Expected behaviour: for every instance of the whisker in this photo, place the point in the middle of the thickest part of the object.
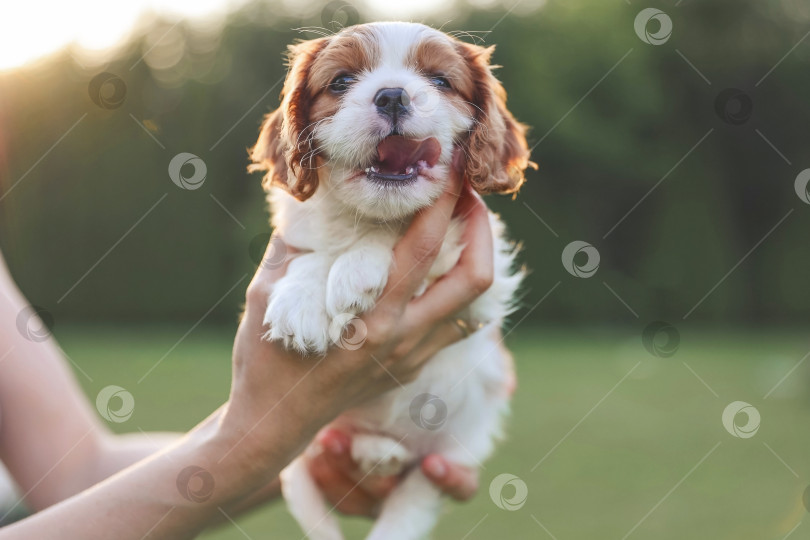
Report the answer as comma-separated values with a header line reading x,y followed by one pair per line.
x,y
320,30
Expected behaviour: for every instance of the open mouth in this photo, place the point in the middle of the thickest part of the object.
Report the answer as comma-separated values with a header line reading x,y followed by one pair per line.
x,y
400,160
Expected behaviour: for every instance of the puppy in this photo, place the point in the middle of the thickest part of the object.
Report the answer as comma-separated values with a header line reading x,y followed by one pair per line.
x,y
363,139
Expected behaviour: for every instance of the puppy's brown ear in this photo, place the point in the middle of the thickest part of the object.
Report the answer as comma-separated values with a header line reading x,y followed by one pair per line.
x,y
285,147
496,150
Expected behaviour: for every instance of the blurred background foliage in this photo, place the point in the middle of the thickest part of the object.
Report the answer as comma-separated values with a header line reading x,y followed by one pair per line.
x,y
634,159
611,117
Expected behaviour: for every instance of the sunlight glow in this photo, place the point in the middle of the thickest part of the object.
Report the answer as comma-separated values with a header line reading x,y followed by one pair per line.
x,y
32,29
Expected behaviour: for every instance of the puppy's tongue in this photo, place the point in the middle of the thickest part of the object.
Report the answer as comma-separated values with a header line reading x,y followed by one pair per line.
x,y
396,153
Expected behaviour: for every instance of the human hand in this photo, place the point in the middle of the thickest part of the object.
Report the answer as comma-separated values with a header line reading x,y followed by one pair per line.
x,y
354,493
273,386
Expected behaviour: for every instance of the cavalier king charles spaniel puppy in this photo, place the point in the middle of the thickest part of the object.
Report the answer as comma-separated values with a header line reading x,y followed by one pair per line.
x,y
364,138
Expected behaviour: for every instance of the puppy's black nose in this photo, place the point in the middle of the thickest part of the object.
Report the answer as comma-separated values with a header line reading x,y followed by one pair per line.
x,y
392,102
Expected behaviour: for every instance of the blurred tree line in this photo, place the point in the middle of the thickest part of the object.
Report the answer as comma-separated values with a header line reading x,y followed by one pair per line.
x,y
94,229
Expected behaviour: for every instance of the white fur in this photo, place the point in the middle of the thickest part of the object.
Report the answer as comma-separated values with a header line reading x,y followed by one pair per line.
x,y
349,228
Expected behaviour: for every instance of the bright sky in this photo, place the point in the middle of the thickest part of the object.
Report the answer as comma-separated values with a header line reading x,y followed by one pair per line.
x,y
30,29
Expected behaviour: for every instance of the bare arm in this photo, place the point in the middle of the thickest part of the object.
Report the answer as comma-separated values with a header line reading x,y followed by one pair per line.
x,y
242,447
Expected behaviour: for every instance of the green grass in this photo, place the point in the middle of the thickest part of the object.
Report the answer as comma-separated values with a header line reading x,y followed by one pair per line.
x,y
608,451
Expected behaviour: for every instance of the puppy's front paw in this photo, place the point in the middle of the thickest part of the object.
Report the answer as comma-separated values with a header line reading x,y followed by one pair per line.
x,y
356,280
299,323
379,455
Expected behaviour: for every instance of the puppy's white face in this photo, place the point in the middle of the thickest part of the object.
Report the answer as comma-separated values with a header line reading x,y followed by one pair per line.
x,y
374,113
390,141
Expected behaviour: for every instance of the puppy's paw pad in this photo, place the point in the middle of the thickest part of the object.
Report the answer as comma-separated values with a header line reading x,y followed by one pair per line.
x,y
380,455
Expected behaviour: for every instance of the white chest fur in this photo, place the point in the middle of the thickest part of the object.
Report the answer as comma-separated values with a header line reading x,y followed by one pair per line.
x,y
455,406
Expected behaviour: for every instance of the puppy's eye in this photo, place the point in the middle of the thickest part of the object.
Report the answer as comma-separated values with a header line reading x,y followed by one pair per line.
x,y
439,81
341,83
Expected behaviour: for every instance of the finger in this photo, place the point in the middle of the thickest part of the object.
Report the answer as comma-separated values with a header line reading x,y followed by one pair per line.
x,y
272,267
471,276
417,249
359,503
336,450
457,481
336,454
341,491
446,333
378,487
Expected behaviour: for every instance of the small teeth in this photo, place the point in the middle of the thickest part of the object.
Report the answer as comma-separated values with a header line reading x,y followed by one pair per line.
x,y
409,170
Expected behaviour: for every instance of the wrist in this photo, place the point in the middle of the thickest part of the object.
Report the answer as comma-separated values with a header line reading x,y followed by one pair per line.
x,y
254,448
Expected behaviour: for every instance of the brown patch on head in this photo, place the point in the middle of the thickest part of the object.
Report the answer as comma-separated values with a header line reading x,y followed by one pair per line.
x,y
496,150
285,147
495,147
438,55
354,50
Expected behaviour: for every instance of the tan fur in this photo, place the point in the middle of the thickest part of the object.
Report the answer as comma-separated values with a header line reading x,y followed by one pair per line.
x,y
284,148
496,150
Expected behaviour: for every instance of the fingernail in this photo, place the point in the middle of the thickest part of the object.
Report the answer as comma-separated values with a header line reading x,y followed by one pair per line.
x,y
335,446
436,468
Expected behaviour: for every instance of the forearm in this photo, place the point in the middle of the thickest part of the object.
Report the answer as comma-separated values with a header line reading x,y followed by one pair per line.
x,y
121,451
118,452
154,498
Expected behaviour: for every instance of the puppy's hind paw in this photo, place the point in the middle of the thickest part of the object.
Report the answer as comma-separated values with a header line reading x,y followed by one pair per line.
x,y
380,455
